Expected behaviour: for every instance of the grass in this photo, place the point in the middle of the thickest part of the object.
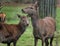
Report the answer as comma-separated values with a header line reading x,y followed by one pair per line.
x,y
58,19
27,38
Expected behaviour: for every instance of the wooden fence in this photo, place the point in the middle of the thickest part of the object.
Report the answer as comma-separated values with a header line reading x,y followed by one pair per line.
x,y
47,8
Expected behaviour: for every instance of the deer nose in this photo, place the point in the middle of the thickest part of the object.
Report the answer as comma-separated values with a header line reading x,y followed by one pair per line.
x,y
27,24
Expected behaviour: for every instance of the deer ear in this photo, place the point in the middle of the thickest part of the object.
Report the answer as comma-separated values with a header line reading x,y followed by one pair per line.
x,y
36,4
19,16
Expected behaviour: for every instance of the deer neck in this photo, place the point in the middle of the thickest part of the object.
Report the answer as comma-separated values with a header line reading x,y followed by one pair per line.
x,y
22,28
34,19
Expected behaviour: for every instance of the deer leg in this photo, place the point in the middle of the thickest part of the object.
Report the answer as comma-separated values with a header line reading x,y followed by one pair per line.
x,y
35,41
51,40
43,41
46,42
14,43
8,44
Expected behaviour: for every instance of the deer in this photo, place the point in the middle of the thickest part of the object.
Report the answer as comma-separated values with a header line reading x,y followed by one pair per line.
x,y
43,28
10,33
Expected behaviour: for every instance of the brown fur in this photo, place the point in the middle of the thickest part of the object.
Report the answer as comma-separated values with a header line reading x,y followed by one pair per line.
x,y
2,17
42,28
12,32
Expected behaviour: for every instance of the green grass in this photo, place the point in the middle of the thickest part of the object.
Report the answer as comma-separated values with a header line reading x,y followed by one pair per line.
x,y
58,19
27,38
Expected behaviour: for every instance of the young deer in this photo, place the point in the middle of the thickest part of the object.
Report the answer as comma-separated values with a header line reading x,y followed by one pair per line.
x,y
42,28
11,32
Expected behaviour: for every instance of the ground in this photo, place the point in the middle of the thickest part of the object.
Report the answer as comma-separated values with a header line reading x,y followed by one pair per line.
x,y
27,38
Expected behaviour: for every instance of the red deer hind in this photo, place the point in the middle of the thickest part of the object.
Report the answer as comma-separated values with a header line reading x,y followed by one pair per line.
x,y
11,32
42,28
